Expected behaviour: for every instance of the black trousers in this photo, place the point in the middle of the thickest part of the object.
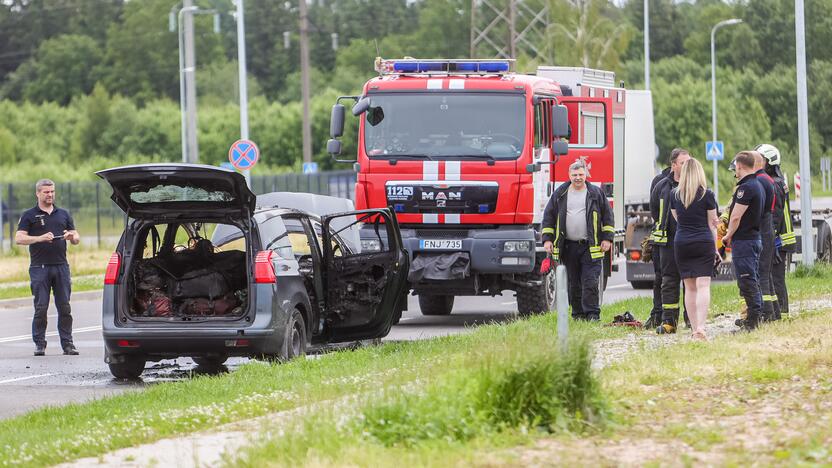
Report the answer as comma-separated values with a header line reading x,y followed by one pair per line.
x,y
656,312
771,309
778,279
745,255
671,285
54,279
583,275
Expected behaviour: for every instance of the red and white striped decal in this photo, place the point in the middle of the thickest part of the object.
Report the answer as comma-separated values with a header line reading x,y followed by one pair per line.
x,y
441,171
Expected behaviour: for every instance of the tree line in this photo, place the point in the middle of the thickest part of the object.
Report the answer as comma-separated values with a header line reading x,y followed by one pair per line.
x,y
96,82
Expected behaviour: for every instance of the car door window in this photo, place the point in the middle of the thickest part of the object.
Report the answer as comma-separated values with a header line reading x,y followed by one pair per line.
x,y
276,237
338,245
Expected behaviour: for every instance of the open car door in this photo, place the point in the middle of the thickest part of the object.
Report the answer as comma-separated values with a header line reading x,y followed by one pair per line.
x,y
362,289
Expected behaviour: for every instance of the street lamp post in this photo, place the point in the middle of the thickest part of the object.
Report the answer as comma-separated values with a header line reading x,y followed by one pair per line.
x,y
647,45
713,92
187,104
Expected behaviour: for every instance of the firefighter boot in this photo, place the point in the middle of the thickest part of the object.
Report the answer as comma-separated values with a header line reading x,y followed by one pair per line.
x,y
666,328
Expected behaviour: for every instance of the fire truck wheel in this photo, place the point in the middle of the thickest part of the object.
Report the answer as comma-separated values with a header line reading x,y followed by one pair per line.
x,y
537,299
431,304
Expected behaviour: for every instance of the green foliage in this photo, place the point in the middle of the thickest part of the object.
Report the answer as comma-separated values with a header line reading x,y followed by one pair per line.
x,y
545,390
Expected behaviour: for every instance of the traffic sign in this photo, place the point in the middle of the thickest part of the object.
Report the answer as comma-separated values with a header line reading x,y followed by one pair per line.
x,y
714,151
243,154
310,168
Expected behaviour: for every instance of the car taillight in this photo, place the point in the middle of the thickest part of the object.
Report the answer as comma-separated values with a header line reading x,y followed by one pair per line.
x,y
264,268
635,255
128,344
111,274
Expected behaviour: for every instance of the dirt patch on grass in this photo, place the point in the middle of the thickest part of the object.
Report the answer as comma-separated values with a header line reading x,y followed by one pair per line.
x,y
745,424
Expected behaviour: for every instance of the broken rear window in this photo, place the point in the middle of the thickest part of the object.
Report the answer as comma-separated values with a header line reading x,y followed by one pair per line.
x,y
178,193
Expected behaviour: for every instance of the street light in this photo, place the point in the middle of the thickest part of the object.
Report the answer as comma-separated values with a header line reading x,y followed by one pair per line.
x,y
183,72
713,92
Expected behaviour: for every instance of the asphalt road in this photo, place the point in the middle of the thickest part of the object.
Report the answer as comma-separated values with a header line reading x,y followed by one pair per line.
x,y
28,382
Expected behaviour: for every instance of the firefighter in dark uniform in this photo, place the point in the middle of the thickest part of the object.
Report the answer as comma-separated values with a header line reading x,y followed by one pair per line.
x,y
578,229
656,312
785,241
743,236
771,309
663,234
45,228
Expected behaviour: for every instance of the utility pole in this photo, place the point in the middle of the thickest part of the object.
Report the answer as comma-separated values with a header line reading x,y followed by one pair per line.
x,y
526,26
192,149
243,78
304,76
807,240
512,32
647,45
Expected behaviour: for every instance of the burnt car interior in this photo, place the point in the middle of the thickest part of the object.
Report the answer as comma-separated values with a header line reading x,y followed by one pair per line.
x,y
356,282
181,275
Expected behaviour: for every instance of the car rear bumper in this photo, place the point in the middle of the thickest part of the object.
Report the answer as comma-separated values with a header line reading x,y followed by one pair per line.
x,y
178,342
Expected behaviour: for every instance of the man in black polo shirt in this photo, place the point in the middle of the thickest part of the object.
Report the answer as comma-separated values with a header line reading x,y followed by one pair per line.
x,y
46,229
743,236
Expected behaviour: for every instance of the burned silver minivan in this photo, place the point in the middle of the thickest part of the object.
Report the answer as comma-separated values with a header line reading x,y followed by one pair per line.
x,y
202,271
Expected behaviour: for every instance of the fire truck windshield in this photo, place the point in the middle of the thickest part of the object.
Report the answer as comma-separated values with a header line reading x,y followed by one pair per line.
x,y
445,126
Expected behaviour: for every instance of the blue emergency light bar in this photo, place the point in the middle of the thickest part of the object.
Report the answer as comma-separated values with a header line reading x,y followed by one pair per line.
x,y
489,67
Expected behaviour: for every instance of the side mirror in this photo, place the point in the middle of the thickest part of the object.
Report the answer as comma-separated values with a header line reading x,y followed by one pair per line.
x,y
560,122
336,122
361,106
560,147
333,146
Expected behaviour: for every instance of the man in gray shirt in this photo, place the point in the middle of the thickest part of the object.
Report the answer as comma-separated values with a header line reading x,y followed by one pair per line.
x,y
578,230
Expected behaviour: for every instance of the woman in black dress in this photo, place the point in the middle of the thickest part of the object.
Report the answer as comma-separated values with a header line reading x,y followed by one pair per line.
x,y
694,207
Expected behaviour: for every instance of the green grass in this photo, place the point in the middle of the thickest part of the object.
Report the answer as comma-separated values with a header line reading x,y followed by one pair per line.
x,y
498,386
79,284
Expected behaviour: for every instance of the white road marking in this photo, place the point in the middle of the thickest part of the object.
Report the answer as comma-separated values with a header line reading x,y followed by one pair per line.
x,y
508,303
28,377
9,339
619,286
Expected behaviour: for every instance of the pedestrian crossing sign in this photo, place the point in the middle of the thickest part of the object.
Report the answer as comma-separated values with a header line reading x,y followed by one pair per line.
x,y
714,151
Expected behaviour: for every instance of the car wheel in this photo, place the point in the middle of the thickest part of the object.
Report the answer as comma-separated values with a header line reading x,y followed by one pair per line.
x,y
130,368
432,304
294,341
214,360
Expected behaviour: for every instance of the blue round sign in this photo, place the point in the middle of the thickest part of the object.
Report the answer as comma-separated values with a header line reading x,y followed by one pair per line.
x,y
243,154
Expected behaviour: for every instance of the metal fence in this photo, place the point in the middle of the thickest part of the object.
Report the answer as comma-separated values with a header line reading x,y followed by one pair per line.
x,y
97,217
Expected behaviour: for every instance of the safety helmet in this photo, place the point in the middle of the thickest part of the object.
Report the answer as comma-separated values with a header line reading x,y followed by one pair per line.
x,y
770,152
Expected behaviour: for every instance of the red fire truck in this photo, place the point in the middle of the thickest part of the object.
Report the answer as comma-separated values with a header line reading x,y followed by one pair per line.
x,y
467,153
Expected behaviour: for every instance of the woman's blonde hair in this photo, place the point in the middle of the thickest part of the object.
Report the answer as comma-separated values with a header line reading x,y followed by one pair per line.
x,y
691,180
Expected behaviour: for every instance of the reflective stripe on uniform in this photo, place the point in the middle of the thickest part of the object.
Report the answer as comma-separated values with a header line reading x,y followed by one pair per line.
x,y
608,229
548,231
595,225
670,306
767,298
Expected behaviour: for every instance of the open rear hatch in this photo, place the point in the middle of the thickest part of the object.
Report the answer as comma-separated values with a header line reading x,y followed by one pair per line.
x,y
180,275
147,190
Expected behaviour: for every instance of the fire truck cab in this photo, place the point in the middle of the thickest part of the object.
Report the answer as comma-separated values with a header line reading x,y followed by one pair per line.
x,y
467,154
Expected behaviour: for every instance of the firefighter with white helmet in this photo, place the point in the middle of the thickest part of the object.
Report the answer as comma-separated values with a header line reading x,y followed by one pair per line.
x,y
782,221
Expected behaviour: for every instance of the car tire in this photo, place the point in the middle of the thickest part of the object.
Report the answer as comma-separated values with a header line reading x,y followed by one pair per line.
x,y
210,361
434,304
642,284
540,299
294,339
130,368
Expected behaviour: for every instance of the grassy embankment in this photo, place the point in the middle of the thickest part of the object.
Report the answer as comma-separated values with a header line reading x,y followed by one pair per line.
x,y
497,394
87,266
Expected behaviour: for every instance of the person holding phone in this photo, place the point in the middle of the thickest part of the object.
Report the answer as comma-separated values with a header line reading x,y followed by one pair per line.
x,y
46,229
694,207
